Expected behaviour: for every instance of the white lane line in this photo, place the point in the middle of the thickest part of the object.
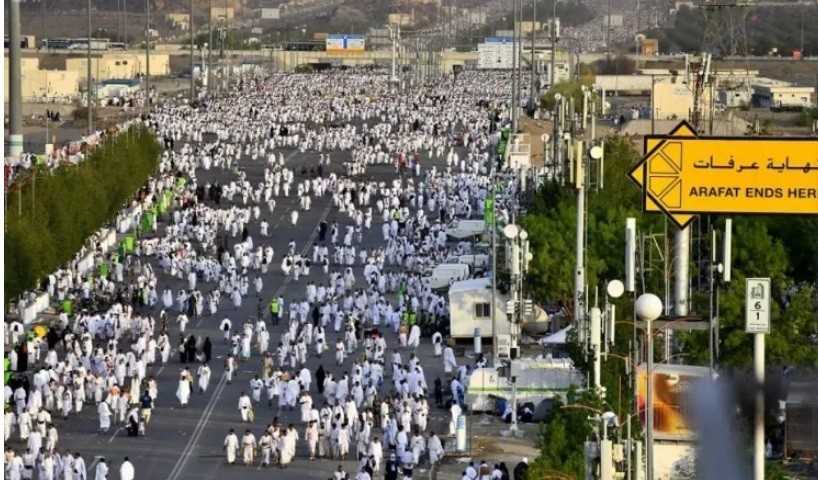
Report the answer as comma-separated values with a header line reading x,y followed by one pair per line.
x,y
116,432
197,432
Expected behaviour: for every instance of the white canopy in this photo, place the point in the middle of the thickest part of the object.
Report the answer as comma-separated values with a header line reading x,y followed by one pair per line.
x,y
560,337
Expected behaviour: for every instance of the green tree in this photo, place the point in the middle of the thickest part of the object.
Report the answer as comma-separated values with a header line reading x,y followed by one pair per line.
x,y
72,202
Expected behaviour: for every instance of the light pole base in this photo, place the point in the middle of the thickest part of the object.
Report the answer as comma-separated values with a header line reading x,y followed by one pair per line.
x,y
14,147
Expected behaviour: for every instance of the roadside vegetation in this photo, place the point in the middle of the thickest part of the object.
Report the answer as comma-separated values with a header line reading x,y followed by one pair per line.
x,y
49,216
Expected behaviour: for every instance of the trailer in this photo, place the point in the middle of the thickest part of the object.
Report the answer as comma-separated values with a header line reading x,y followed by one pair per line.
x,y
537,380
470,308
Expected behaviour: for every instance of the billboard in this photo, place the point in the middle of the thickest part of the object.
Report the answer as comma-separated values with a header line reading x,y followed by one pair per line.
x,y
496,53
671,383
345,42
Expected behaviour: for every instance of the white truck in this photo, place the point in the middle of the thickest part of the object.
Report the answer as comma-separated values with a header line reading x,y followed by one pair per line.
x,y
445,274
466,228
477,261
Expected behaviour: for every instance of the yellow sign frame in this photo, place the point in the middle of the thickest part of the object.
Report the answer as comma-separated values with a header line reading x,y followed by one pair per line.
x,y
683,174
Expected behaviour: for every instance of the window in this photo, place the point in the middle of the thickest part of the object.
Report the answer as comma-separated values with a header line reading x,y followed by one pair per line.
x,y
482,310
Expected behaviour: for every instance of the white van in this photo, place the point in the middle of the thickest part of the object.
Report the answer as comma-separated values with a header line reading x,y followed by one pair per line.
x,y
445,274
476,262
466,228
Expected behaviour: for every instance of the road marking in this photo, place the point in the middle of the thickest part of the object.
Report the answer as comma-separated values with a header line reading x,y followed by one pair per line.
x,y
116,432
197,432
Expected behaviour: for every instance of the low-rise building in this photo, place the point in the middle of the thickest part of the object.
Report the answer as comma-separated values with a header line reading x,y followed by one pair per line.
x,y
780,95
41,84
179,20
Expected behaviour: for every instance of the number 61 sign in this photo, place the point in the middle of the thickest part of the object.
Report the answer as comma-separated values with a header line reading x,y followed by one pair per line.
x,y
757,306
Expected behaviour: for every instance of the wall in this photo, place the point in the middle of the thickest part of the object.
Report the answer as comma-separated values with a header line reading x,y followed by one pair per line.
x,y
675,100
120,65
37,83
219,12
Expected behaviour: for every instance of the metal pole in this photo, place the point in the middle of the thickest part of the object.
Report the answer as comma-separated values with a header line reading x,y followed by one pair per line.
x,y
554,45
649,404
681,257
192,33
531,96
90,87
148,55
514,47
494,274
652,105
758,430
15,142
392,34
579,276
210,49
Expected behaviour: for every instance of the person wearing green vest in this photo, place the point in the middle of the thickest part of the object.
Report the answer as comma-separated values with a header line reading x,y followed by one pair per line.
x,y
405,317
6,370
275,310
411,318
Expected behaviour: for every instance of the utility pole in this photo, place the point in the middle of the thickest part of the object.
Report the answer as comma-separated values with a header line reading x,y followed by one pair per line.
x,y
554,45
579,272
192,34
90,84
515,45
15,144
210,49
531,96
148,55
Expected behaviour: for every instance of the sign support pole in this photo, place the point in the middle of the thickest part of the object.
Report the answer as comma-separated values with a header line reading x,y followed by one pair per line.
x,y
758,428
757,323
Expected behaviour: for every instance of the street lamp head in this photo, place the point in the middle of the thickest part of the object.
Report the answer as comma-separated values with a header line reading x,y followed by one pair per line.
x,y
596,152
511,231
523,235
648,307
610,418
615,288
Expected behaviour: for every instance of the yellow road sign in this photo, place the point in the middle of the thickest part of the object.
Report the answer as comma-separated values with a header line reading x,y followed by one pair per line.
x,y
683,175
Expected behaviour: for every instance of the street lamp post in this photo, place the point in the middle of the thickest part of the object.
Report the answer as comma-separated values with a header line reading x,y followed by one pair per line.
x,y
648,307
147,105
90,85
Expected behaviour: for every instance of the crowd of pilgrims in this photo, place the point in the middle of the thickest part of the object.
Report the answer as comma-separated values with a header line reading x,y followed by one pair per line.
x,y
369,397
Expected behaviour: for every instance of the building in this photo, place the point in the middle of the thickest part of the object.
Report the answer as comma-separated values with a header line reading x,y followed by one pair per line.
x,y
649,47
402,19
436,3
119,65
673,99
475,16
40,84
119,87
179,20
781,95
222,13
617,20
495,53
528,26
270,13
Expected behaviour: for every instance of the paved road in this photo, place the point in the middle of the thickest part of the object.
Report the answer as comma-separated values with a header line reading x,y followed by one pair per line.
x,y
187,443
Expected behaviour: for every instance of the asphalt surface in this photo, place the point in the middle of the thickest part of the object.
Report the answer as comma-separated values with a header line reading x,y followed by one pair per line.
x,y
187,443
